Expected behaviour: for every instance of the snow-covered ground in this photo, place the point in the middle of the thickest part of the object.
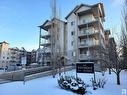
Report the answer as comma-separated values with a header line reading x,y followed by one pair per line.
x,y
49,86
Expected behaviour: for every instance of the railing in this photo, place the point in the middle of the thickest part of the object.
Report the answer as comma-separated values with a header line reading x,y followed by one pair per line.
x,y
87,21
87,33
88,44
47,59
47,50
46,35
90,56
46,43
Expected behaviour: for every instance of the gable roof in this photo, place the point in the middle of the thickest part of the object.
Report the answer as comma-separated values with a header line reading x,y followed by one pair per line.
x,y
48,21
79,6
4,42
76,8
43,23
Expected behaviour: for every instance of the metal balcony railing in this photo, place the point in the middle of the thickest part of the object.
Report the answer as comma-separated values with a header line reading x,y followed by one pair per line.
x,y
91,56
87,33
46,36
81,22
83,44
46,44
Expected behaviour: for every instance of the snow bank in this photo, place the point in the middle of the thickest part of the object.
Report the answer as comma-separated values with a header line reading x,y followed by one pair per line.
x,y
49,86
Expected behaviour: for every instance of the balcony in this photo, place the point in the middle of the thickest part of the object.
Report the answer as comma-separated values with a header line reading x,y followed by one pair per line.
x,y
87,34
88,57
92,23
48,50
46,44
46,36
47,59
13,57
85,12
88,24
88,45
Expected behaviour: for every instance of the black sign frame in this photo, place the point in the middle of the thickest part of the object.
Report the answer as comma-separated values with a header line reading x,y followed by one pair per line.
x,y
85,67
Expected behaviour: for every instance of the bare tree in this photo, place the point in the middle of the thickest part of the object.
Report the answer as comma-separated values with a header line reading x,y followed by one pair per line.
x,y
124,35
118,56
115,62
117,67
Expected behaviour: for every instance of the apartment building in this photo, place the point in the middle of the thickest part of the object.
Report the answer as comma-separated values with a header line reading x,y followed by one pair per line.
x,y
10,57
51,40
14,56
82,35
27,57
86,35
4,54
33,56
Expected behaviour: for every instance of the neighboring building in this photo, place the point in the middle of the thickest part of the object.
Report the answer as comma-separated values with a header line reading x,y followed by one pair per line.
x,y
23,54
4,54
14,54
112,51
107,44
33,56
82,37
27,57
50,43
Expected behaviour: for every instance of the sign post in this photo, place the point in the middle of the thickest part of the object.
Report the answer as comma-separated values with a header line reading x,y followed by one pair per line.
x,y
86,67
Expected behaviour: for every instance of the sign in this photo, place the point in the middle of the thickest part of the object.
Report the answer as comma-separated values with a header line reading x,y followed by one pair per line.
x,y
85,67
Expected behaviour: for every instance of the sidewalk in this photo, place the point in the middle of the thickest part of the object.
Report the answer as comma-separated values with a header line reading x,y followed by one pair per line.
x,y
4,81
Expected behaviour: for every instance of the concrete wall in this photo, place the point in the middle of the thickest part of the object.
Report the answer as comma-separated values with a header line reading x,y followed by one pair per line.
x,y
43,74
30,74
20,74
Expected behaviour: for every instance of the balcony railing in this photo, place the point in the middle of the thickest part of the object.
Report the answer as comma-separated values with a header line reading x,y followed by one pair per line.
x,y
46,36
90,44
47,59
91,56
46,44
87,33
86,21
47,50
89,24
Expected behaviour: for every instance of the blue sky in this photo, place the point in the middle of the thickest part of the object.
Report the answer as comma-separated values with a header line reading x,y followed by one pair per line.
x,y
19,18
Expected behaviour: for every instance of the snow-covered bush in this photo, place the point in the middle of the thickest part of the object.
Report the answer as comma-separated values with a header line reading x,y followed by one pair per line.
x,y
99,83
71,83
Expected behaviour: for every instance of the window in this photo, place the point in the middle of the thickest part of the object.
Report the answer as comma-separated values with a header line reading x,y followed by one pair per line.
x,y
73,53
84,31
72,33
88,53
84,21
72,43
84,40
72,23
